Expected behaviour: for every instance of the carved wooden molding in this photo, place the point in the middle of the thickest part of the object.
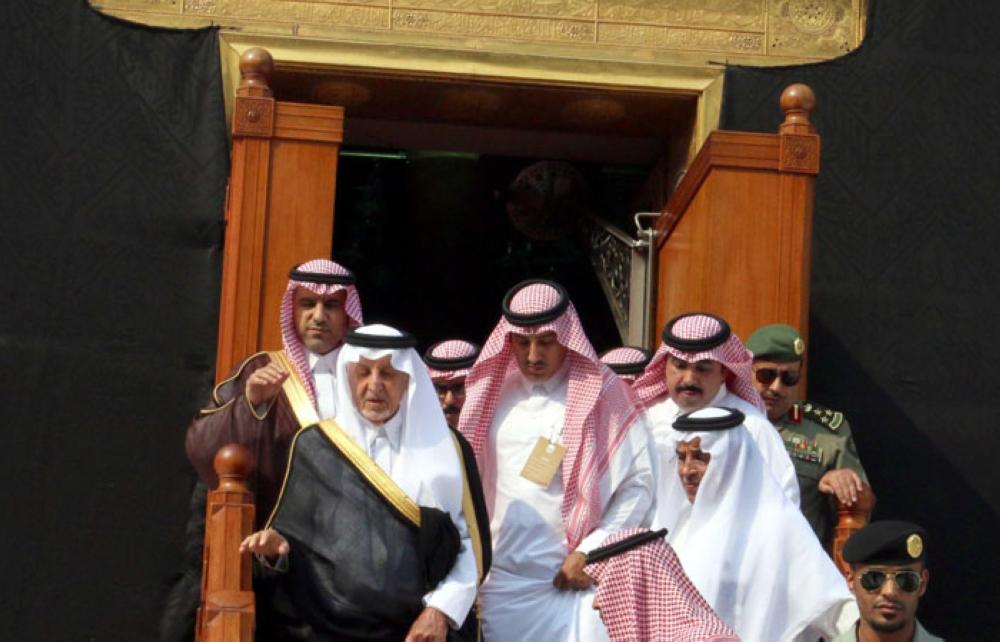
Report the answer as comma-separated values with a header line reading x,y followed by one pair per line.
x,y
253,116
799,153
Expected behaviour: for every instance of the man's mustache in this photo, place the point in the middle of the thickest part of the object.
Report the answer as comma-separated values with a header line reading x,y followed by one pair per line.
x,y
452,408
688,387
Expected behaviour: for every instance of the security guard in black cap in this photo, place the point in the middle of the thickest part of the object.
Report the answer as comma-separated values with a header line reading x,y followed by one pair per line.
x,y
818,439
888,577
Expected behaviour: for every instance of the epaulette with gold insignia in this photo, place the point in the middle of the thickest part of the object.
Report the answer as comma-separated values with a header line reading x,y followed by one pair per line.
x,y
828,418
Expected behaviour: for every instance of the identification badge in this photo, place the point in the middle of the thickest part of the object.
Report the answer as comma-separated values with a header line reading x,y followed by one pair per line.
x,y
543,462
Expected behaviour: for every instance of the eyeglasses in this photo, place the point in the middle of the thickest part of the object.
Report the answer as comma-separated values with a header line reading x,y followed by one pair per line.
x,y
767,375
457,389
907,581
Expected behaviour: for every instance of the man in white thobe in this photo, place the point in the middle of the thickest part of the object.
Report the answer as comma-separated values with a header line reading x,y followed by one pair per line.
x,y
566,462
746,547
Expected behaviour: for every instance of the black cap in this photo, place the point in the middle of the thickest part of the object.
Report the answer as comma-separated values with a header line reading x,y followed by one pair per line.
x,y
709,419
695,345
886,542
535,318
315,277
365,340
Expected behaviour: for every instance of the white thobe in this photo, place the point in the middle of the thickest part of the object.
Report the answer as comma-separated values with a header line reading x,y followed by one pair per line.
x,y
835,620
518,599
323,367
661,417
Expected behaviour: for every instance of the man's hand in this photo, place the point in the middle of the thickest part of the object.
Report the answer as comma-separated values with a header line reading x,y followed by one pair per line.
x,y
268,542
431,626
264,383
571,575
842,482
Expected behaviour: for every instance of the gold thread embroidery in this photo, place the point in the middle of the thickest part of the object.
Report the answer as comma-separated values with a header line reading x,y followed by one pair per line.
x,y
239,371
306,414
470,511
371,471
295,391
284,481
204,412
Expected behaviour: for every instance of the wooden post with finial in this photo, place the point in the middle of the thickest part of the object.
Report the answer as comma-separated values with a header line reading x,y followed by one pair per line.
x,y
226,612
850,519
279,208
246,211
798,165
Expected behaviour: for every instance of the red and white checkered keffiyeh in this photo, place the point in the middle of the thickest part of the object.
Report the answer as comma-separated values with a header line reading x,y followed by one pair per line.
x,y
651,387
451,349
293,345
644,594
599,407
619,359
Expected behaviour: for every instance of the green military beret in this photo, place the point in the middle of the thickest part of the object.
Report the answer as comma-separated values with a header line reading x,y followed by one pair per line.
x,y
886,542
777,342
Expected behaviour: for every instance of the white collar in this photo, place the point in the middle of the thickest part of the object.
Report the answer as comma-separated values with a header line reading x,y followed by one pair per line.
x,y
723,391
329,359
393,427
550,385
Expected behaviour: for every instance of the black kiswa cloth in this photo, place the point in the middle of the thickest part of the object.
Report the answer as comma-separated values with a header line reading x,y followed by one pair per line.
x,y
359,566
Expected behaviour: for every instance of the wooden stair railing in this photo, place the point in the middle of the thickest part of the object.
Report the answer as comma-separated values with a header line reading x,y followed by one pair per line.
x,y
849,520
226,612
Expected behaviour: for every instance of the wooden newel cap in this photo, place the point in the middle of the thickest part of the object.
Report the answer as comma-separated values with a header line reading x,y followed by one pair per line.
x,y
865,504
797,101
232,462
256,65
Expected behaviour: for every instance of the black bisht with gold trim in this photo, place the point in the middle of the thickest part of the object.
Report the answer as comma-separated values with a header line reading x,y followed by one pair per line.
x,y
360,561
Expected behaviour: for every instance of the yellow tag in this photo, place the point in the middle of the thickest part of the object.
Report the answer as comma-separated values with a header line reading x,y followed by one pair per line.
x,y
914,546
544,462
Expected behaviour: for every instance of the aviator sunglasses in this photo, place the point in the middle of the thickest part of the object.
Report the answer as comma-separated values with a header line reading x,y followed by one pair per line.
x,y
767,375
907,581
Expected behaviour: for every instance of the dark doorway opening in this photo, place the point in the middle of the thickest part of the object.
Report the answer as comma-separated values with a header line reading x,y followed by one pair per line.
x,y
436,238
451,188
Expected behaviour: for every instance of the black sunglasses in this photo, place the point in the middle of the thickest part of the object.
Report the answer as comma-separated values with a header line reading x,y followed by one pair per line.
x,y
788,377
457,389
907,581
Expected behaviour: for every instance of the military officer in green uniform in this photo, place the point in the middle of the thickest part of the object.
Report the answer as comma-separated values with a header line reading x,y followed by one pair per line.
x,y
818,439
888,577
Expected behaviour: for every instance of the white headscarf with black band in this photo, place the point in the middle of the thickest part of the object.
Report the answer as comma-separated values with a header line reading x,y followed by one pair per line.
x,y
427,467
746,547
